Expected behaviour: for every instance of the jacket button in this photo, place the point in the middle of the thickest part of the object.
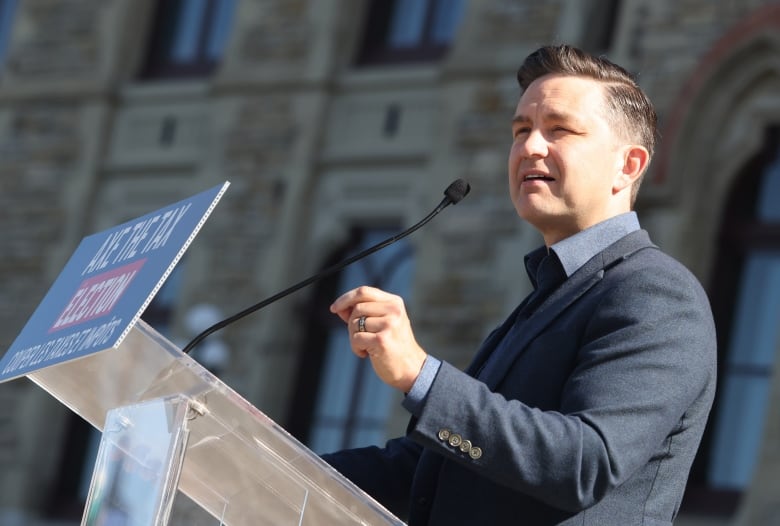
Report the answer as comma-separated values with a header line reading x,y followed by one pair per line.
x,y
475,453
455,440
465,446
444,434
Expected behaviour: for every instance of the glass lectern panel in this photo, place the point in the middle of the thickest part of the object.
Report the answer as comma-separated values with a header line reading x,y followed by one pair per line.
x,y
138,465
239,465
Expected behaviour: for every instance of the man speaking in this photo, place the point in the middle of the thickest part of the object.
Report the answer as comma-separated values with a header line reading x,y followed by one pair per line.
x,y
587,404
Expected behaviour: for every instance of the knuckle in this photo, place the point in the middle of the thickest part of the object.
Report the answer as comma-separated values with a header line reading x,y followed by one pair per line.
x,y
396,307
362,290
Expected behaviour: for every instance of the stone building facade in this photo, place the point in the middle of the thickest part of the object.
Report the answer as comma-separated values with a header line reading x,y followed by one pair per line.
x,y
327,142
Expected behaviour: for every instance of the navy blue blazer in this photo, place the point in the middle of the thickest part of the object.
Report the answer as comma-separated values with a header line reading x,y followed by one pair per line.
x,y
592,416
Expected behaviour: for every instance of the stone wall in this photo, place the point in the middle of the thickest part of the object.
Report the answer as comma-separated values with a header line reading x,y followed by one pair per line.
x,y
301,135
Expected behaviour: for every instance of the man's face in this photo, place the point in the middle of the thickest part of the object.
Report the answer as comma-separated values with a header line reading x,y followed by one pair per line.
x,y
566,157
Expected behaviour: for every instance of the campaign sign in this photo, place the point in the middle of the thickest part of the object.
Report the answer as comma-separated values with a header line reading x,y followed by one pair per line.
x,y
106,286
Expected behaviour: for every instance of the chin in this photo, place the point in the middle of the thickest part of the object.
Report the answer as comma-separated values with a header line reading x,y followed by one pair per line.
x,y
534,217
526,208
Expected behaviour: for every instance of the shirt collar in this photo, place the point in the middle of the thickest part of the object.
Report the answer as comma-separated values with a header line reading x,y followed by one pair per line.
x,y
576,250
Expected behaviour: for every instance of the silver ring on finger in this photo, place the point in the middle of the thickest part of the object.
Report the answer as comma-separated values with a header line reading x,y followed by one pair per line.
x,y
362,324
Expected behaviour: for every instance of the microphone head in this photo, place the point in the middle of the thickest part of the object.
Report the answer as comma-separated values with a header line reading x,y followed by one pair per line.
x,y
457,190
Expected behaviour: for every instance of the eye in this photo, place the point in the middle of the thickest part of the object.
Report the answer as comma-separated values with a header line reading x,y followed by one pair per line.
x,y
521,130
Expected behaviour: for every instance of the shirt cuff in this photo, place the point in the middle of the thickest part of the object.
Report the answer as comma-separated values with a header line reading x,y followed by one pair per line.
x,y
415,398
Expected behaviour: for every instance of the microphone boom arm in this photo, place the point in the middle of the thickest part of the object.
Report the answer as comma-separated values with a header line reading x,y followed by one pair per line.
x,y
454,193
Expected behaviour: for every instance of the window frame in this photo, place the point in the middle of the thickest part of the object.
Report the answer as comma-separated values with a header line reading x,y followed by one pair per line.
x,y
159,63
302,415
741,234
8,12
375,49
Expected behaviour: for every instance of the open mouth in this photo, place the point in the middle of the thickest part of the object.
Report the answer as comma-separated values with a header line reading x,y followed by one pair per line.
x,y
537,177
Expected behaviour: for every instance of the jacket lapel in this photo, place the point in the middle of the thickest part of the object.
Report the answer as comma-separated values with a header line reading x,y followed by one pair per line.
x,y
515,342
492,341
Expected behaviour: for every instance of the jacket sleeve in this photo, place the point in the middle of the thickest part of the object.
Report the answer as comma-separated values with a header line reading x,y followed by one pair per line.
x,y
643,358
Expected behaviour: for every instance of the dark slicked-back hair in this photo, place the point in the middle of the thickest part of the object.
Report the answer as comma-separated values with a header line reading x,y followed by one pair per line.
x,y
630,109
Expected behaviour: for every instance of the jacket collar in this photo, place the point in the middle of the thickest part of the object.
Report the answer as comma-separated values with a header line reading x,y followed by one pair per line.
x,y
567,293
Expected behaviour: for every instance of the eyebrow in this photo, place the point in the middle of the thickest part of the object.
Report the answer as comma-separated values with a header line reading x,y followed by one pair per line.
x,y
555,116
520,119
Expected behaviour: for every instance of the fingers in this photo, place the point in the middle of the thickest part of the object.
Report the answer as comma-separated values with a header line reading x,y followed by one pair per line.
x,y
368,303
368,313
366,324
362,337
380,329
346,302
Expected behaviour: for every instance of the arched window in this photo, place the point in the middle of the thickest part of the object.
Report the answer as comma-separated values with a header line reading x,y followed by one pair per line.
x,y
746,302
339,400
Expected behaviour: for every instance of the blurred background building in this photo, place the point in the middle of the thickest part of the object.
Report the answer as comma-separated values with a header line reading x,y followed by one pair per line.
x,y
338,123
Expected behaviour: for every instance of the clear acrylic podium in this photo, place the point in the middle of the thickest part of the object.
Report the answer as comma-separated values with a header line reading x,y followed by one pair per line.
x,y
169,424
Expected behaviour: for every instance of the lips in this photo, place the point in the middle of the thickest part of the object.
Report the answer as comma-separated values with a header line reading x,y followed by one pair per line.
x,y
536,176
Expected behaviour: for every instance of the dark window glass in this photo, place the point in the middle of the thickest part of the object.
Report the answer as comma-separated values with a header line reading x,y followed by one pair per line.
x,y
340,402
600,25
409,30
745,296
7,13
188,38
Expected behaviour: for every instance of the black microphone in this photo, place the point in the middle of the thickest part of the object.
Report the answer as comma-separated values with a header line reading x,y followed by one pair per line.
x,y
456,191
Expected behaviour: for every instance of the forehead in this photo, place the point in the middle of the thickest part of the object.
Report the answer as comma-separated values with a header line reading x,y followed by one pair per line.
x,y
558,96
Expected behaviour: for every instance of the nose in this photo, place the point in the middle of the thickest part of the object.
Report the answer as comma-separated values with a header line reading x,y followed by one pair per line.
x,y
534,144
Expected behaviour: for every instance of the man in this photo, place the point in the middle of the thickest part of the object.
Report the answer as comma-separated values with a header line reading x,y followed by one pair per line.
x,y
586,406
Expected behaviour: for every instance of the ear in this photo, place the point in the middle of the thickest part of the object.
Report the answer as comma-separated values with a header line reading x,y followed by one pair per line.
x,y
635,159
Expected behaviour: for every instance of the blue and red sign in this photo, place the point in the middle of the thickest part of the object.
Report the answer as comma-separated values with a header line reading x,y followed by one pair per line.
x,y
107,284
